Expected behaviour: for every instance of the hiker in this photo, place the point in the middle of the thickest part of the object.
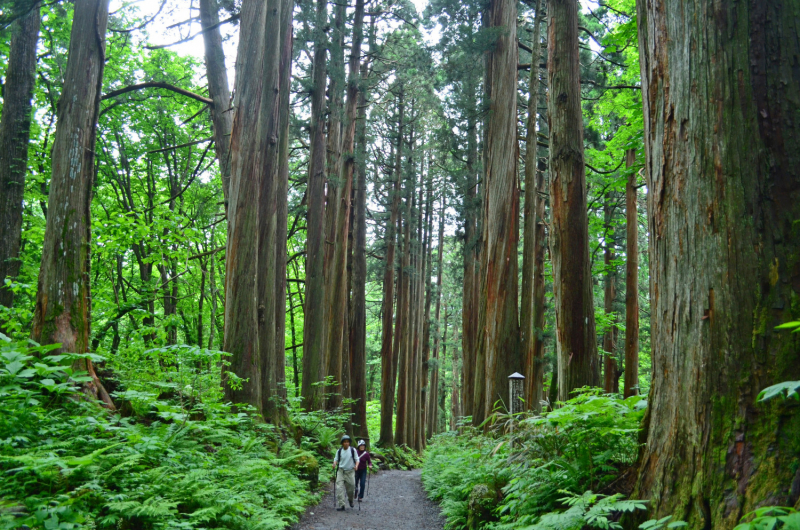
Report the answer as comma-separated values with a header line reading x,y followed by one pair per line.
x,y
364,461
345,463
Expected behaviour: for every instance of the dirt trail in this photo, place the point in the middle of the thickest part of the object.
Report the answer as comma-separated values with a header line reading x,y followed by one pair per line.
x,y
395,501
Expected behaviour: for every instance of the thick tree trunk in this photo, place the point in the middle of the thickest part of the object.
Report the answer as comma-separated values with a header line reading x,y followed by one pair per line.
x,y
63,300
15,127
357,97
632,283
217,75
527,312
498,329
314,309
723,170
610,370
388,359
244,307
578,363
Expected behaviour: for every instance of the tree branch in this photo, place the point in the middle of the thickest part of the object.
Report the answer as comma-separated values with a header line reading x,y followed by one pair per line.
x,y
156,84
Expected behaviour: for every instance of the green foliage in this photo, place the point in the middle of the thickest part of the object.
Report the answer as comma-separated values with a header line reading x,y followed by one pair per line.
x,y
770,518
664,522
189,462
515,479
787,389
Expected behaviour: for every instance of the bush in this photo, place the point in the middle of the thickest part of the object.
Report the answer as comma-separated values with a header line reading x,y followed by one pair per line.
x,y
542,474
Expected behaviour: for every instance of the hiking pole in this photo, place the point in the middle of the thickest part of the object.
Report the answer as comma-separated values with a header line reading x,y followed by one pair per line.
x,y
368,473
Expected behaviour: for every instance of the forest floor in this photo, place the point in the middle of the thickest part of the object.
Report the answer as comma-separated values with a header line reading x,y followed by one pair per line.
x,y
395,501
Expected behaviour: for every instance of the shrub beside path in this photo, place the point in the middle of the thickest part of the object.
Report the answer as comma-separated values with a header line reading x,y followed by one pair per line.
x,y
395,501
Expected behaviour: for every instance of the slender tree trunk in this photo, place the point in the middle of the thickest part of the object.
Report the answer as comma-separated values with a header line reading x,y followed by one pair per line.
x,y
723,170
632,283
527,313
498,329
404,335
244,307
281,197
426,318
610,370
63,301
433,408
295,368
314,308
213,292
358,328
578,363
469,310
388,359
15,127
217,75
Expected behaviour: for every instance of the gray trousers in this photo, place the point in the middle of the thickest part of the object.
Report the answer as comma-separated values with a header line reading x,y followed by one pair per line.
x,y
345,481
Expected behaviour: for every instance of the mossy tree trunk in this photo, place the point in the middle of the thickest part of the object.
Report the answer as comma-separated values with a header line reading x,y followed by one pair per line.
x,y
722,133
63,300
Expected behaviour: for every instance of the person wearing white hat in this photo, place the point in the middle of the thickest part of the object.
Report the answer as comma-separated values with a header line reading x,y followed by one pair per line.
x,y
345,463
364,462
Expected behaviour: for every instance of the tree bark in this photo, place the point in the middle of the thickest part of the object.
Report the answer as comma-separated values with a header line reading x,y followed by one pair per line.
x,y
63,300
527,312
498,329
632,283
314,309
388,358
217,75
578,363
723,159
404,365
15,128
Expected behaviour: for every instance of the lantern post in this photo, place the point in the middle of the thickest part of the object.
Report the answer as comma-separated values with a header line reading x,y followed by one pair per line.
x,y
515,396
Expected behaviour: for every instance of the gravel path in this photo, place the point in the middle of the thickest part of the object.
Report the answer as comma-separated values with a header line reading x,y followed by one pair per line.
x,y
395,501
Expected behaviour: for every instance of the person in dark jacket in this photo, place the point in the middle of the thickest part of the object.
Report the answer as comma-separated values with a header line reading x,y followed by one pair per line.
x,y
364,462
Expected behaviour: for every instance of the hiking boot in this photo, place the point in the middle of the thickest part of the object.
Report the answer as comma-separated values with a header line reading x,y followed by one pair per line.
x,y
351,504
340,509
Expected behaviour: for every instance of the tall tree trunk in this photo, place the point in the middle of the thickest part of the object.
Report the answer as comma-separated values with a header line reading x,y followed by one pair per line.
x,y
217,75
244,309
63,301
400,437
426,315
631,283
388,359
314,308
358,327
578,363
433,407
723,170
295,368
338,294
498,329
15,127
530,244
610,370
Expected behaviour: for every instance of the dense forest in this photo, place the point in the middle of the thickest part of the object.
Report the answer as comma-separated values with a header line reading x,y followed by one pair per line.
x,y
546,250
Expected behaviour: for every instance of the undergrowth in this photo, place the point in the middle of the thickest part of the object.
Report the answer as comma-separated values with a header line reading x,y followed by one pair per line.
x,y
179,458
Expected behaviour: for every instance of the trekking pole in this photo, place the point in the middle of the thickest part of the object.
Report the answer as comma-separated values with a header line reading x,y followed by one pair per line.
x,y
368,473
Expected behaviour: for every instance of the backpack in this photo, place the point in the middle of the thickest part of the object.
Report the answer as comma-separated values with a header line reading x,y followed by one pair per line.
x,y
339,456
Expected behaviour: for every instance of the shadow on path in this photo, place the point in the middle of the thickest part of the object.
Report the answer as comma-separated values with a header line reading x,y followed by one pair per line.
x,y
395,501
